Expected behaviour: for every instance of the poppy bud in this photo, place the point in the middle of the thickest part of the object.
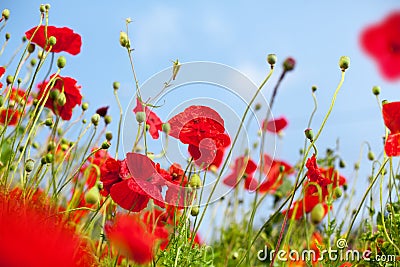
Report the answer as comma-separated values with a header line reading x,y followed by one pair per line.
x,y
1,100
43,160
85,106
140,116
54,94
9,79
309,134
342,164
195,181
33,62
128,20
49,158
123,39
257,106
95,119
64,147
175,69
61,61
271,59
356,166
235,255
194,211
48,122
35,145
5,14
8,36
289,64
52,41
93,195
317,213
40,54
109,136
107,119
47,6
116,85
371,155
61,99
166,127
337,192
376,90
42,9
314,88
344,63
105,145
281,168
51,145
29,165
84,121
31,48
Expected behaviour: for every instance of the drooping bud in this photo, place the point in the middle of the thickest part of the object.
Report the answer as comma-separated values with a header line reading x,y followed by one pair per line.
x,y
342,164
61,61
9,79
54,94
61,99
344,63
31,48
371,155
309,134
48,122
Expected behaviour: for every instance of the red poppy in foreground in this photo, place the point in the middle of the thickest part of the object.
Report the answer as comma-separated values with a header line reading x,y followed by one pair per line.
x,y
391,117
130,236
71,90
67,40
275,171
33,234
2,71
9,116
382,42
202,128
152,120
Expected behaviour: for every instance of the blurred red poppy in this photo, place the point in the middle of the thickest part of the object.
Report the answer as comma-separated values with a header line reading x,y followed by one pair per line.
x,y
244,167
381,41
72,93
276,125
67,40
391,117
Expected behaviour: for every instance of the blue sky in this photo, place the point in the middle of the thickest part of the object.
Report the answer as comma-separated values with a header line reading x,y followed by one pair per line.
x,y
239,34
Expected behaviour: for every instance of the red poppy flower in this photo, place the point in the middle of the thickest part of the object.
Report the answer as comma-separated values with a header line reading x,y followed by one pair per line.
x,y
243,167
274,174
72,93
31,232
67,40
391,117
314,173
276,125
92,169
381,41
109,176
346,264
152,119
131,237
2,71
140,182
9,116
203,130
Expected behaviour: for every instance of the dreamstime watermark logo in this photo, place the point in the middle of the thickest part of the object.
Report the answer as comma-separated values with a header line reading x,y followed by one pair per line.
x,y
341,253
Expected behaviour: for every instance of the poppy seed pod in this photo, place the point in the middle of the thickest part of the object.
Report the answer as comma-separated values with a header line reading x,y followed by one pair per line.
x,y
140,116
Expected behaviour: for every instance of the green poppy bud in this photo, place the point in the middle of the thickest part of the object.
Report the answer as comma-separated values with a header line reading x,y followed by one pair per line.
x,y
49,158
52,41
61,61
105,145
5,14
95,119
61,99
116,85
271,59
85,106
344,63
48,122
109,136
195,181
376,90
31,48
8,36
371,155
123,39
289,64
29,165
317,213
93,195
140,117
107,119
309,134
166,127
194,211
337,192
